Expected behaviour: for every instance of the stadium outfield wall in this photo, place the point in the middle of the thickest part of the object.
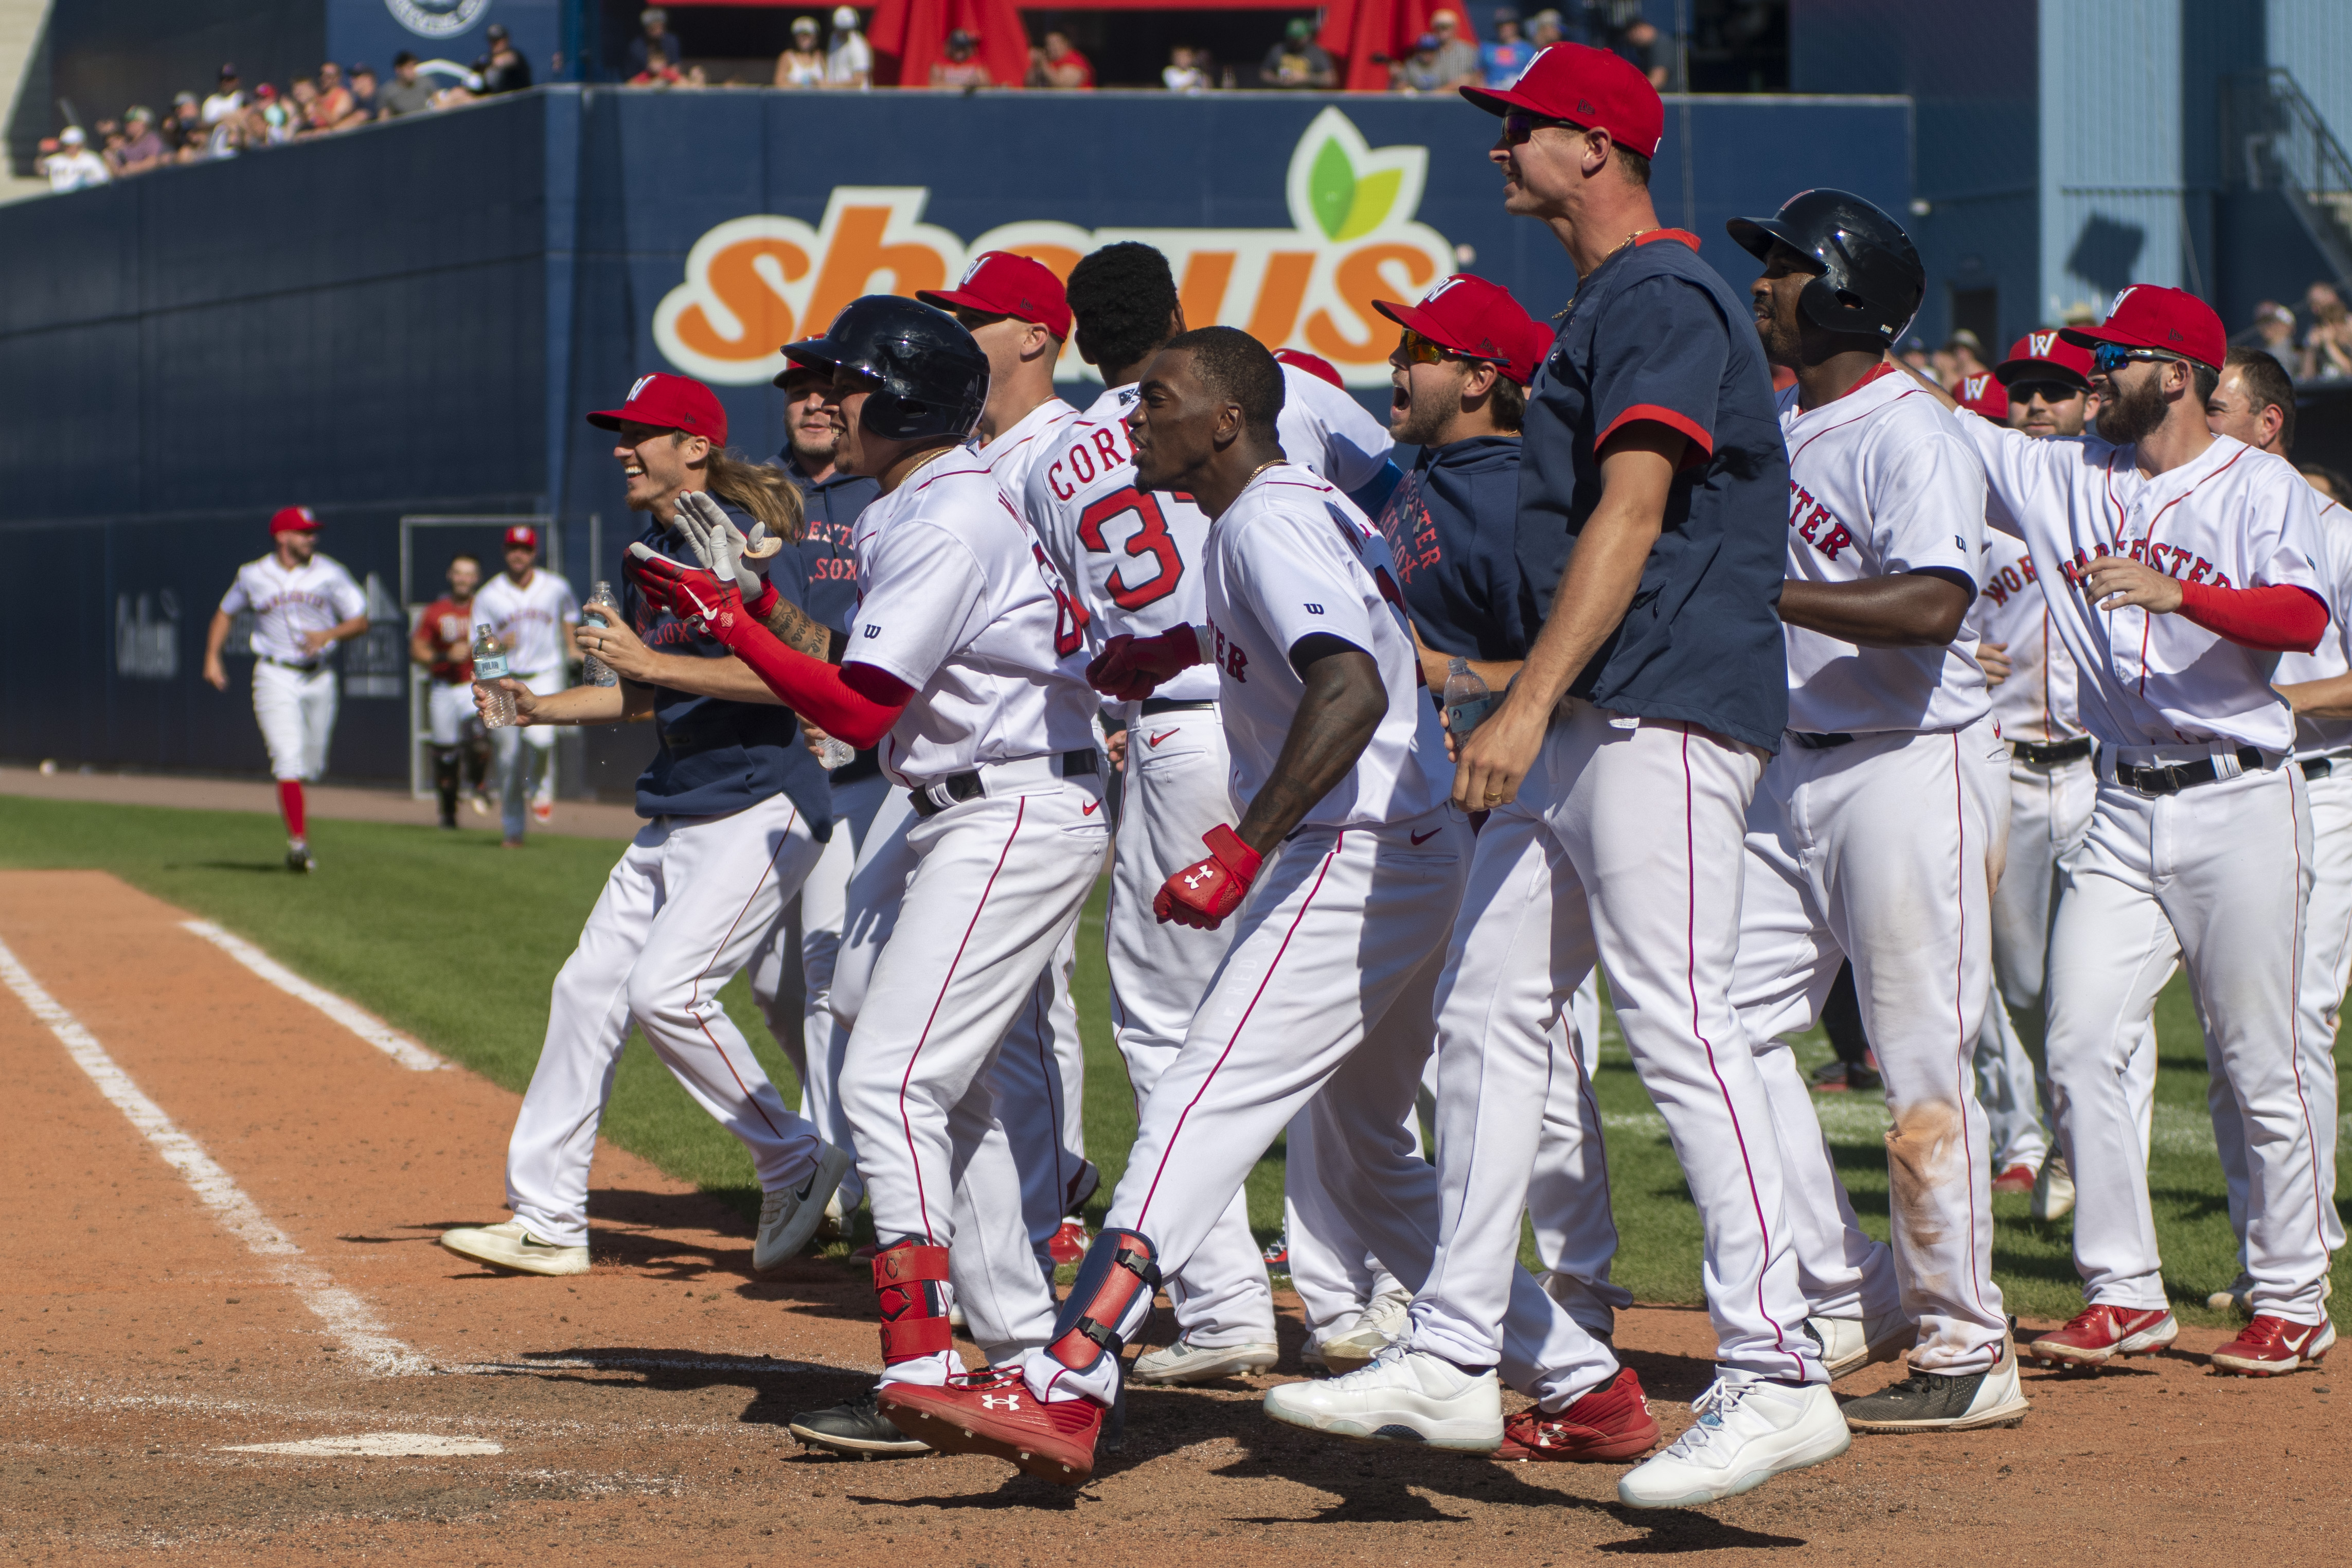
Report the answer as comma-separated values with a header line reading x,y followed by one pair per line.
x,y
412,319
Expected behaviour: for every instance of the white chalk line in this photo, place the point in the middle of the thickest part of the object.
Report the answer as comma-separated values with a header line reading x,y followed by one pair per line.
x,y
359,1021
347,1317
375,1446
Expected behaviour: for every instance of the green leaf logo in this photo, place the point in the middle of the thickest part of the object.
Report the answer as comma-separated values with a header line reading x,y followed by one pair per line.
x,y
1331,188
1341,189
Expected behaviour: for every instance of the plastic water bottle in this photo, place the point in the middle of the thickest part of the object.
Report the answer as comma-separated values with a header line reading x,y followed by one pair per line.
x,y
600,610
490,666
833,752
1467,700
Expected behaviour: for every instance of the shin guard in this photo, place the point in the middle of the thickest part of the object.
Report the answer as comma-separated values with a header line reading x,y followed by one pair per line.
x,y
1120,1266
910,1293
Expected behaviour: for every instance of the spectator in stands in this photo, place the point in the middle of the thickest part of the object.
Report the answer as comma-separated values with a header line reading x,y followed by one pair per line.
x,y
2272,330
1961,357
276,119
1059,64
1650,51
334,106
1187,71
1546,28
403,94
1420,71
1915,353
142,148
1500,62
503,68
963,70
653,53
73,166
303,104
802,62
365,106
1298,61
2327,342
227,100
183,128
850,62
1457,58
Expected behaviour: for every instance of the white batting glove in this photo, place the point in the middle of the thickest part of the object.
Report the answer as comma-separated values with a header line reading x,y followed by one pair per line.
x,y
718,543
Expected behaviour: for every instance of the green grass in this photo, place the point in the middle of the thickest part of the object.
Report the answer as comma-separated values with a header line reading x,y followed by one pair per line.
x,y
456,941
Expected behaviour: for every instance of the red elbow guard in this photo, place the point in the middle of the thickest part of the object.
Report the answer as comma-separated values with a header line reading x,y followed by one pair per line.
x,y
812,689
2280,619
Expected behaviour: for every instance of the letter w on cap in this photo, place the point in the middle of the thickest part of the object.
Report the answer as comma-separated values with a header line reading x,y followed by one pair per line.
x,y
639,386
2040,343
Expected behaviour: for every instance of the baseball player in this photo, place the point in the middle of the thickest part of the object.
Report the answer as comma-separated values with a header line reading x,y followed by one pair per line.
x,y
964,664
1343,846
533,615
2188,562
1872,831
303,604
441,643
2254,403
737,813
1634,735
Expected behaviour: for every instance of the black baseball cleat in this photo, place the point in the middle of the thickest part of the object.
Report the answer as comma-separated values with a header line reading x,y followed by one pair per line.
x,y
856,1429
1944,1402
297,857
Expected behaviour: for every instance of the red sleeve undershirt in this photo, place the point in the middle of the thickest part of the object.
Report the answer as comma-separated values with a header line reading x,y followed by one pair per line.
x,y
856,703
2281,619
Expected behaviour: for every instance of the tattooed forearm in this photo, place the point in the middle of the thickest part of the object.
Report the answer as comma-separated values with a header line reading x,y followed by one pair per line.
x,y
795,630
1343,705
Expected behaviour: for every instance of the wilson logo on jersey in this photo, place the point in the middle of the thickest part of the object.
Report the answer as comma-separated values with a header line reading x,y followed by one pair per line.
x,y
1814,524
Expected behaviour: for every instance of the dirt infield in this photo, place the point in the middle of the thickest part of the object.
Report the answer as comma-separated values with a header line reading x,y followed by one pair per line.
x,y
156,1328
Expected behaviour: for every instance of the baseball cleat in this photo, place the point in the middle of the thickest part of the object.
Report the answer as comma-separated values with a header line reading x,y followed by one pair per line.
x,y
1851,1343
2053,1189
2097,1334
2018,1178
993,1413
297,857
509,1245
1310,1357
2236,1297
1185,1361
2268,1346
856,1429
789,1217
1383,1321
1277,1256
1068,1242
481,803
1611,1422
542,811
1749,1430
1945,1402
1403,1396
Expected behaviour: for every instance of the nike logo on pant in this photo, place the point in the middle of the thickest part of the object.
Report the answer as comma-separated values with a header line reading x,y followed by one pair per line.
x,y
1155,739
1090,810
1426,838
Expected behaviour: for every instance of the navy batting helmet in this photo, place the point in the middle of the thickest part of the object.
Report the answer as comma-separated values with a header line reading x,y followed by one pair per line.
x,y
931,378
1871,282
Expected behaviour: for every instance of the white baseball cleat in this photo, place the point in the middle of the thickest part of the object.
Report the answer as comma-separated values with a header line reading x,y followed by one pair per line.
x,y
1749,1430
2053,1189
1185,1361
1383,1321
788,1217
1403,1396
509,1245
1850,1344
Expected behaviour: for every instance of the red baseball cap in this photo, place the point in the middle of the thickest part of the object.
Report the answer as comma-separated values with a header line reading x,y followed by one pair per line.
x,y
2044,354
1003,284
2146,316
1315,365
1478,319
522,536
1982,393
671,403
293,520
1587,86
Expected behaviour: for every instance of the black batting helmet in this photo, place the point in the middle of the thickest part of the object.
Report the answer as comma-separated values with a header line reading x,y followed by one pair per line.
x,y
932,379
1871,282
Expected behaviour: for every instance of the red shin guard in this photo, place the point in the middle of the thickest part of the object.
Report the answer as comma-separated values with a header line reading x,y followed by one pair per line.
x,y
909,1291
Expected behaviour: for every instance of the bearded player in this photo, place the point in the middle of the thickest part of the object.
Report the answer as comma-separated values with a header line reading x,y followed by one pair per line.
x,y
444,635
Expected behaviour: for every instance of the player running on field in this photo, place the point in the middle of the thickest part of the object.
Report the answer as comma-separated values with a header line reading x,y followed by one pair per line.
x,y
737,813
444,634
2179,564
303,604
534,617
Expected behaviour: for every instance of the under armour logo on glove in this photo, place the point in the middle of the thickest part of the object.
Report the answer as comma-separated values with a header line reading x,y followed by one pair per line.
x,y
1202,894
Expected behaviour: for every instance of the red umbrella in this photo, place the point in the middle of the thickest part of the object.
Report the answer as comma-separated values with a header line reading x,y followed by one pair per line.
x,y
910,36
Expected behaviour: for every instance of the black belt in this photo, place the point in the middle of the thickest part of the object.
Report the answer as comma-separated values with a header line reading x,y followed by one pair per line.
x,y
1155,706
1818,742
2056,752
962,788
313,667
2316,767
865,764
2183,775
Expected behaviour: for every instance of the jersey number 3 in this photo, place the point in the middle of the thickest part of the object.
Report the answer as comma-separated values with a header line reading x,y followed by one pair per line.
x,y
1151,538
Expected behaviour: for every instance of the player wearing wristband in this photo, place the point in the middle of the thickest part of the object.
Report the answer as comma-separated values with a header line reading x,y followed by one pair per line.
x,y
1343,847
2178,563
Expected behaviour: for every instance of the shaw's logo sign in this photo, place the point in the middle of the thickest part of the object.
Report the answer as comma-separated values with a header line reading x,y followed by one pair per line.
x,y
754,283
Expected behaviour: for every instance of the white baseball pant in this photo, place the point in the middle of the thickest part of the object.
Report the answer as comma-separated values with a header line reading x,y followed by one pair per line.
x,y
2216,876
679,914
524,754
2327,967
1041,1076
450,717
1877,851
295,711
1644,821
1322,1004
951,921
1175,789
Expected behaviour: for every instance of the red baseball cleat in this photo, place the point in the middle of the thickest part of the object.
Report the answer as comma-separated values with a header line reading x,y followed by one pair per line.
x,y
2018,1178
1612,1421
1068,1244
994,1412
2268,1346
2099,1334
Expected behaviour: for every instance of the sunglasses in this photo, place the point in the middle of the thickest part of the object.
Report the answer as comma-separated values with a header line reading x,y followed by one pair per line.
x,y
2109,358
1518,125
2048,391
1414,349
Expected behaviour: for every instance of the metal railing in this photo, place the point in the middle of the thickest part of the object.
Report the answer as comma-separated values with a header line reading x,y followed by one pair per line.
x,y
2274,140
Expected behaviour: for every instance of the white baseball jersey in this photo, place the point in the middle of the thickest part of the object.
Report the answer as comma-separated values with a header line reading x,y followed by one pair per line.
x,y
1880,484
313,597
1323,428
2333,657
1015,451
2233,517
1292,557
528,618
2037,701
957,599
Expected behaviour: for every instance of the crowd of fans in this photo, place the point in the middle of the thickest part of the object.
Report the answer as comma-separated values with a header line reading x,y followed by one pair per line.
x,y
2313,342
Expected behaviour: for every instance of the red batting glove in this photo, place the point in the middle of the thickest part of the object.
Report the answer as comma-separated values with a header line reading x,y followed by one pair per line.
x,y
665,582
1203,893
1132,668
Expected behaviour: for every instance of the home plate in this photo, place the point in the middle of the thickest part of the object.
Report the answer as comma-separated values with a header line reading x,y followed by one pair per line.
x,y
375,1446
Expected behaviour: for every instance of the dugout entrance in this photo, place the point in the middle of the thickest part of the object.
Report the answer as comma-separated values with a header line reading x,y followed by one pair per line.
x,y
427,542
